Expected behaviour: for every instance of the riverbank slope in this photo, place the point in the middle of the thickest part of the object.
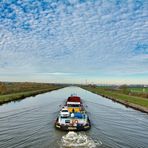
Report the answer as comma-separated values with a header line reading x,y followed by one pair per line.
x,y
17,91
137,103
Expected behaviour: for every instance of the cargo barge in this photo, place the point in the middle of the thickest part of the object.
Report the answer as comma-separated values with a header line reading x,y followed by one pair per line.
x,y
73,116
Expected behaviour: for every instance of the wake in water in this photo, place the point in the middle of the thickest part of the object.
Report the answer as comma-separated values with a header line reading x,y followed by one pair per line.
x,y
74,140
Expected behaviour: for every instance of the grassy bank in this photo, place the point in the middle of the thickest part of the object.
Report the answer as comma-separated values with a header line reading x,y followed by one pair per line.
x,y
32,90
135,102
139,90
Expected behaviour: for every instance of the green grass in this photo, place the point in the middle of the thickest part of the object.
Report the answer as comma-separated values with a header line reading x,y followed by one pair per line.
x,y
17,87
138,90
119,96
21,95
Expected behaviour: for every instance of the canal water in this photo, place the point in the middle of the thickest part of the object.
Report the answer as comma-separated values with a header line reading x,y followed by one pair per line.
x,y
30,123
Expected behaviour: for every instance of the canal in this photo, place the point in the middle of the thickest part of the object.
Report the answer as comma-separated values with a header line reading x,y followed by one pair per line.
x,y
30,122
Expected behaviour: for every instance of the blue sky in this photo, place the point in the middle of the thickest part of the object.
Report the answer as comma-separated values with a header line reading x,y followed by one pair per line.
x,y
71,41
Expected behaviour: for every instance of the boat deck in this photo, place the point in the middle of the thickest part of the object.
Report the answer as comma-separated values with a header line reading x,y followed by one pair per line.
x,y
73,120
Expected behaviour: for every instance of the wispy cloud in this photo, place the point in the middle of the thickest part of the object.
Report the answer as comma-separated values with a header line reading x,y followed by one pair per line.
x,y
97,38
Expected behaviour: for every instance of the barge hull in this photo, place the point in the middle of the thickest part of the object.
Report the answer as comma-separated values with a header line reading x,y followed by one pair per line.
x,y
73,128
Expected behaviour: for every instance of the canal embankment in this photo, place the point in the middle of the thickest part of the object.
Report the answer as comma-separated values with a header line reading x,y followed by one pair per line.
x,y
134,102
18,91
